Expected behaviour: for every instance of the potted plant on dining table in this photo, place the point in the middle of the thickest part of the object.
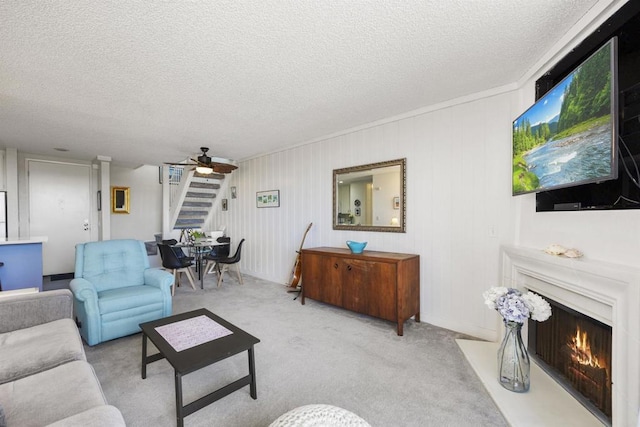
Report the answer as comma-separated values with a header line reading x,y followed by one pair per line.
x,y
195,236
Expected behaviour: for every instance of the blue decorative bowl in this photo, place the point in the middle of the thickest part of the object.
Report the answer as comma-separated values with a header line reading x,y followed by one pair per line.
x,y
356,247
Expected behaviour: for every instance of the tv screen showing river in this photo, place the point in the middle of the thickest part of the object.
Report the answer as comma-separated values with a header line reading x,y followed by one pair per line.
x,y
568,136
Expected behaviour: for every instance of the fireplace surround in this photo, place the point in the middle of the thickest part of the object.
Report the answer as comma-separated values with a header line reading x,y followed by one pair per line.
x,y
606,292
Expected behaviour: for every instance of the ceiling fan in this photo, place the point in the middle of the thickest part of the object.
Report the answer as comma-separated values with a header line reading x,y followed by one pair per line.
x,y
205,165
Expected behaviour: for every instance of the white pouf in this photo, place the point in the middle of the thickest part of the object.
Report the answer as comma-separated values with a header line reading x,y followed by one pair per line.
x,y
319,416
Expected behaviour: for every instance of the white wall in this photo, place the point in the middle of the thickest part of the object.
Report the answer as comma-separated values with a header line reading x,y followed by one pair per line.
x,y
145,216
144,219
458,196
3,171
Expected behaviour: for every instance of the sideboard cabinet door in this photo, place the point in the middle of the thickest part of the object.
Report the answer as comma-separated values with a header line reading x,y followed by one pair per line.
x,y
322,279
381,289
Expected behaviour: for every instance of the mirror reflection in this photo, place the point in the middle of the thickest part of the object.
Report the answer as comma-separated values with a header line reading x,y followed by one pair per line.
x,y
370,197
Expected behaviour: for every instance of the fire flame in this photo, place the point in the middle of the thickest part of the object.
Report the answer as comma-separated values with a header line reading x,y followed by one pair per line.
x,y
582,350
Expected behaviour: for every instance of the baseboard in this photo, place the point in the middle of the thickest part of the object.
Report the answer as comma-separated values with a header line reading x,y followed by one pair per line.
x,y
63,276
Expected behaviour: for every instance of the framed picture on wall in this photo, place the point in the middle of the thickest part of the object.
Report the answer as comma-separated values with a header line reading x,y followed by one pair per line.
x,y
396,203
120,200
225,205
268,199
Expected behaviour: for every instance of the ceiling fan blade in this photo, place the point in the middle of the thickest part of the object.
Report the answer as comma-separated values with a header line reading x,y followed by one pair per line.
x,y
178,164
223,167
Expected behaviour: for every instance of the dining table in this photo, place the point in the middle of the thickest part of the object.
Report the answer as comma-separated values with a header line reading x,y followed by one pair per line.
x,y
198,249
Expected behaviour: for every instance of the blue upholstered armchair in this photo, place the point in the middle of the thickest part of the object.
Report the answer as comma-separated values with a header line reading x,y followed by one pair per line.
x,y
114,289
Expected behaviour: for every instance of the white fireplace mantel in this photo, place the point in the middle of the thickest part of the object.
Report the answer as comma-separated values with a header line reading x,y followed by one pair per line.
x,y
605,291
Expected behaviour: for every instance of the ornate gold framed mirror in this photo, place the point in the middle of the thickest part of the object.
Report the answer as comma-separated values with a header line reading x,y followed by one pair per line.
x,y
370,197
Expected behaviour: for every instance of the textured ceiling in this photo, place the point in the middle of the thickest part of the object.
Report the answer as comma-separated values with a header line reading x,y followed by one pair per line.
x,y
152,81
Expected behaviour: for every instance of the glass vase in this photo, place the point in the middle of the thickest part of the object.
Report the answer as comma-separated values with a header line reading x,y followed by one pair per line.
x,y
513,359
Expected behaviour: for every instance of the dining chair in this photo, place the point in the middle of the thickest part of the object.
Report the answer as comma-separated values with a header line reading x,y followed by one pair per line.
x,y
229,261
219,251
170,261
177,249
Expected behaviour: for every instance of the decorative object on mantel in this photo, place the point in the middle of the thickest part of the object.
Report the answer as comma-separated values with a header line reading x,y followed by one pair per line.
x,y
515,308
573,253
555,249
559,250
356,247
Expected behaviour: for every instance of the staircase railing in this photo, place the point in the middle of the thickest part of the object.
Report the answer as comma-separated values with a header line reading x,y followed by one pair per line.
x,y
224,185
175,175
178,195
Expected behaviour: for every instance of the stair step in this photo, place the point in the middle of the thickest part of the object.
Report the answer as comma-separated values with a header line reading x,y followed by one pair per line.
x,y
207,185
189,225
209,176
190,222
200,195
183,219
194,204
192,213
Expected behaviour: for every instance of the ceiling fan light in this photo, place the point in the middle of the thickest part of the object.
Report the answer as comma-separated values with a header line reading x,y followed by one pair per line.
x,y
204,170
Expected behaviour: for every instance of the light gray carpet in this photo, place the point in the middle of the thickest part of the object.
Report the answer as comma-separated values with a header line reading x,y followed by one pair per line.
x,y
308,354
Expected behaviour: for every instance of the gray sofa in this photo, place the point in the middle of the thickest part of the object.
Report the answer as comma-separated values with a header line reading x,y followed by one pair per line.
x,y
45,379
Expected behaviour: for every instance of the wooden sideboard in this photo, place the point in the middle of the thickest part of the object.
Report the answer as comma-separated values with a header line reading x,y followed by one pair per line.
x,y
380,284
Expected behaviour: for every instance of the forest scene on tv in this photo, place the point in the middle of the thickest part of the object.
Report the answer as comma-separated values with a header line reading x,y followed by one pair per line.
x,y
566,136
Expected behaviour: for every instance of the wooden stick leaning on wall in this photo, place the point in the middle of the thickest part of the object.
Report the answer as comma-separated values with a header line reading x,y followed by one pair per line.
x,y
293,285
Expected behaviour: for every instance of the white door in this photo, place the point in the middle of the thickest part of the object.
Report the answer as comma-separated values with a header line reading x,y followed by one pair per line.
x,y
60,209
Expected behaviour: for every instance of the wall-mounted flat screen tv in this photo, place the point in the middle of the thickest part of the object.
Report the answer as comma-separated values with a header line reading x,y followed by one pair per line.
x,y
568,137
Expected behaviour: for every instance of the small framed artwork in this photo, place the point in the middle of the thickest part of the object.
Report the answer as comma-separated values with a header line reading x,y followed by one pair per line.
x,y
268,199
233,192
120,200
396,203
225,205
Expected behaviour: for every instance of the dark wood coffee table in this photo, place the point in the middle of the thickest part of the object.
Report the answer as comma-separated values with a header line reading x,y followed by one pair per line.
x,y
198,357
